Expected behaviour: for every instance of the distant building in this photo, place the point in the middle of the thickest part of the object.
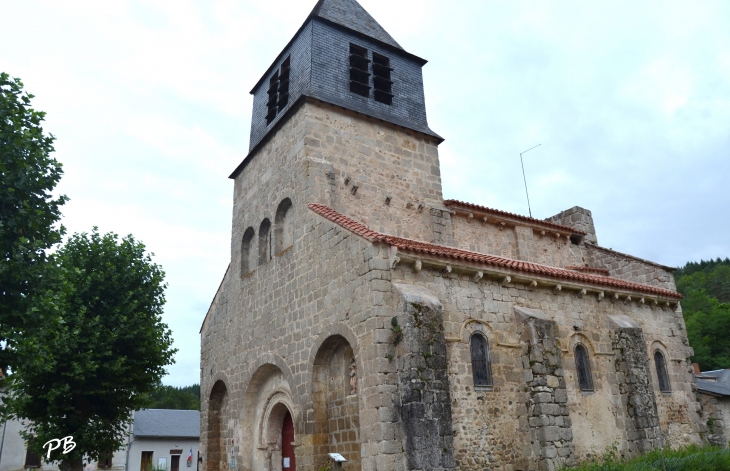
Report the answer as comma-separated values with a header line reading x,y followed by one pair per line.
x,y
164,438
158,437
714,389
364,314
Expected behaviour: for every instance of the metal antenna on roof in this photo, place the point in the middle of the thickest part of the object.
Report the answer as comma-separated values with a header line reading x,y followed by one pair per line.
x,y
524,178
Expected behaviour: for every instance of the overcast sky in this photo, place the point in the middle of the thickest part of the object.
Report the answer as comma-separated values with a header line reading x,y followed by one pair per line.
x,y
149,103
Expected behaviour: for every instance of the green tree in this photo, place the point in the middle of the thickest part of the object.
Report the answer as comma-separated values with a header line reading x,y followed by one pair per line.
x,y
706,308
29,214
86,375
170,397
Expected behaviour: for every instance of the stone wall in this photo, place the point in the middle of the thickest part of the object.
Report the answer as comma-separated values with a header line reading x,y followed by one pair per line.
x,y
577,218
626,267
551,433
425,402
635,387
493,426
715,413
385,177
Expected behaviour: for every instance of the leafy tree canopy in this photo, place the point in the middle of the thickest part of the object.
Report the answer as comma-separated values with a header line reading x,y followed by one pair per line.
x,y
104,356
706,307
28,212
170,397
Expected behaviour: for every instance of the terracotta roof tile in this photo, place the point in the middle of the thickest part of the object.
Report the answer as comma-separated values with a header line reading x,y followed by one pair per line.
x,y
533,221
595,271
493,260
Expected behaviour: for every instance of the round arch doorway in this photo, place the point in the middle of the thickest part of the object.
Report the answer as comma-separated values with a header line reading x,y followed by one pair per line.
x,y
288,459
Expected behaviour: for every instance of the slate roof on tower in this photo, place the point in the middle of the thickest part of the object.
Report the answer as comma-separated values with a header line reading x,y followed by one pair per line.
x,y
318,64
350,14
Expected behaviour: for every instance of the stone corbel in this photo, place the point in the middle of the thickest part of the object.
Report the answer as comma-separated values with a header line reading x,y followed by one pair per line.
x,y
501,225
417,266
642,300
506,280
557,289
600,296
394,261
628,299
477,276
485,220
470,217
533,284
582,293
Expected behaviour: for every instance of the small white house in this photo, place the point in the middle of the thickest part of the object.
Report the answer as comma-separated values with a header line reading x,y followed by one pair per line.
x,y
160,438
164,439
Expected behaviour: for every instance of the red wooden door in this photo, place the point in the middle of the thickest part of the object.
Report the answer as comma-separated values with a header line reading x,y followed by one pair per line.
x,y
287,447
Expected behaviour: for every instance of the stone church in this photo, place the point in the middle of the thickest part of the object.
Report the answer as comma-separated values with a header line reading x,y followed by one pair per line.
x,y
364,314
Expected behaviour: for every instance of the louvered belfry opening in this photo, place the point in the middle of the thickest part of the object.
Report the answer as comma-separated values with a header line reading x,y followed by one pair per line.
x,y
359,70
278,91
284,85
381,79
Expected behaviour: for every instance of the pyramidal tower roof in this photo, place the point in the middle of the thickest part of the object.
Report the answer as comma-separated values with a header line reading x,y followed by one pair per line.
x,y
352,15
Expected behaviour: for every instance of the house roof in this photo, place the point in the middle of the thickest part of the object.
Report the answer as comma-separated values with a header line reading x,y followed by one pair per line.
x,y
505,214
167,423
711,387
560,274
352,15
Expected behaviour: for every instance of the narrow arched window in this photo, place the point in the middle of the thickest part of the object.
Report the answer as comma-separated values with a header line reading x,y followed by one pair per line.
x,y
583,367
264,242
480,364
283,230
246,265
661,372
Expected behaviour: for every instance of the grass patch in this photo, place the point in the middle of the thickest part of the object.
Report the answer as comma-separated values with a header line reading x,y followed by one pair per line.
x,y
692,458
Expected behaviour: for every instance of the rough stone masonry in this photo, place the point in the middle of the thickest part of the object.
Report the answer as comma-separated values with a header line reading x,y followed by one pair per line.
x,y
404,331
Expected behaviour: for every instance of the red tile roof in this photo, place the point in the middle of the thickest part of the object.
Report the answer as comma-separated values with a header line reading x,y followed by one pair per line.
x,y
529,220
492,260
595,271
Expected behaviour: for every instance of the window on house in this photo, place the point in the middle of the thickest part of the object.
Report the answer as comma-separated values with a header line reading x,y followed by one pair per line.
x,y
359,70
32,459
381,79
480,363
146,463
278,91
105,460
583,367
661,371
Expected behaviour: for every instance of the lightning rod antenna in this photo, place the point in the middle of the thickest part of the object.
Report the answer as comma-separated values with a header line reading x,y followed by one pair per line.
x,y
525,178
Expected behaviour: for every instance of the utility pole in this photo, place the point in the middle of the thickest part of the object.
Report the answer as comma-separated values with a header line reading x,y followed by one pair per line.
x,y
525,178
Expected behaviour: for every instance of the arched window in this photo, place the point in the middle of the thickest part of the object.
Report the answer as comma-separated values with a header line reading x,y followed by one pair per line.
x,y
283,230
583,367
661,372
264,241
246,265
480,364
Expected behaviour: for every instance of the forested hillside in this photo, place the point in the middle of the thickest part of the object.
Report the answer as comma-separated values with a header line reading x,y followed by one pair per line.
x,y
170,397
706,307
